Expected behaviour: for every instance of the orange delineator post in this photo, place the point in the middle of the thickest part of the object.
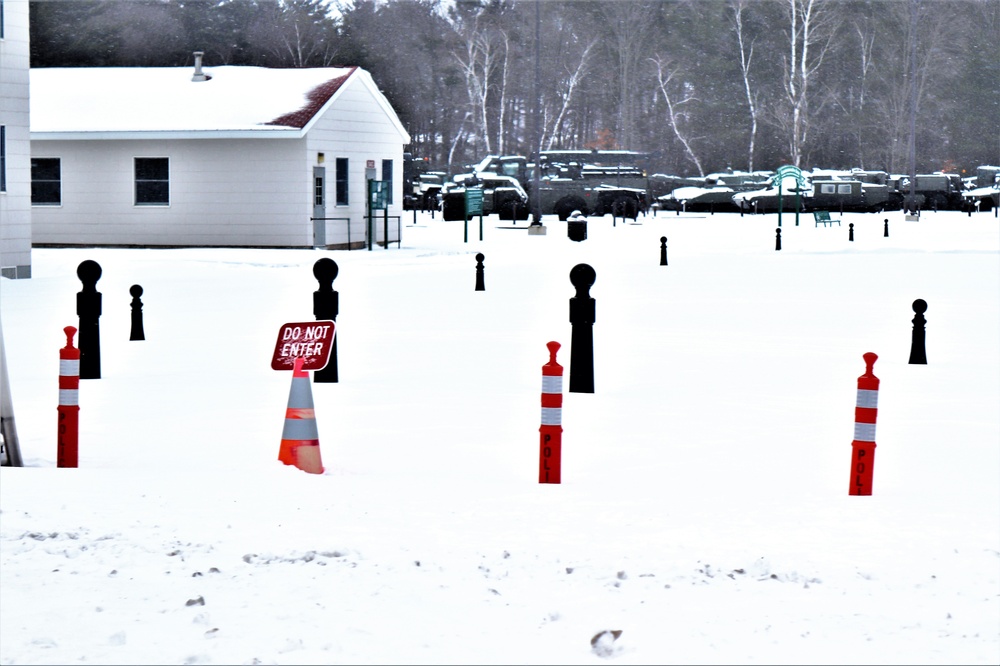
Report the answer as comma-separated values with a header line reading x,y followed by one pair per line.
x,y
300,436
865,413
68,439
550,444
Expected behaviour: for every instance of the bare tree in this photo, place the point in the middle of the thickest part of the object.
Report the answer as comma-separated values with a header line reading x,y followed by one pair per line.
x,y
628,24
483,57
810,33
567,88
939,54
295,33
676,116
746,57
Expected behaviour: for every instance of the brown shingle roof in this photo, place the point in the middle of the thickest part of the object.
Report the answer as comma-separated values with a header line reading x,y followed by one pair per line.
x,y
318,96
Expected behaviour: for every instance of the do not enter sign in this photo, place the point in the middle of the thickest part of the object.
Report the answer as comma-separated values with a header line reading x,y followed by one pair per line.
x,y
311,341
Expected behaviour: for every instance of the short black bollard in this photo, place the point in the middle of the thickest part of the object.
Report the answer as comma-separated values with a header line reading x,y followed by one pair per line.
x,y
326,303
885,232
918,349
663,250
480,282
582,315
850,233
777,238
88,308
137,333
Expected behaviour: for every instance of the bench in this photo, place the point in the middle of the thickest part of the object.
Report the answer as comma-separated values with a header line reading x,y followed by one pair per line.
x,y
823,217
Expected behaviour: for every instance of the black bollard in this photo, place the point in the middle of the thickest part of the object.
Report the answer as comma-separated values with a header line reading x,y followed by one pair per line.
x,y
850,233
582,315
137,333
918,349
480,283
88,308
325,306
663,250
777,238
885,232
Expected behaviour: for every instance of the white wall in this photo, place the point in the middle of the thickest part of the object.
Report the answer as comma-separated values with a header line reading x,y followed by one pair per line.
x,y
15,203
222,193
357,128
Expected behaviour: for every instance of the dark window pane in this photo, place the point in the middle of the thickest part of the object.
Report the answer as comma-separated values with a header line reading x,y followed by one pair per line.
x,y
3,158
387,177
152,180
45,193
45,169
151,168
46,187
152,192
342,181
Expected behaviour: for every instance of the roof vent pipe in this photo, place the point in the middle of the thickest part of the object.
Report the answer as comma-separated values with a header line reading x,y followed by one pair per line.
x,y
198,74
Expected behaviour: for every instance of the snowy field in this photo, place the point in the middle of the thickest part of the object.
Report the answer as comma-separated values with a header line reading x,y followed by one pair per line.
x,y
703,511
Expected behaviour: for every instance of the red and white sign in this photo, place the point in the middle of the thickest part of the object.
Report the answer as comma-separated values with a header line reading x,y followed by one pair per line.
x,y
370,164
310,340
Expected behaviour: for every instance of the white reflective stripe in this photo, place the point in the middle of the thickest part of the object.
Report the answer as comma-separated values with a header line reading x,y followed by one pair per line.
x,y
69,367
864,432
551,415
867,398
69,397
551,383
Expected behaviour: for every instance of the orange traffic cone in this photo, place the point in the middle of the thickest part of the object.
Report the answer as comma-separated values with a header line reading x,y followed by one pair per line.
x,y
300,437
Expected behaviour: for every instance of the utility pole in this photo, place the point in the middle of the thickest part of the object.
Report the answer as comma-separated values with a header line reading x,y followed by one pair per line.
x,y
913,107
536,182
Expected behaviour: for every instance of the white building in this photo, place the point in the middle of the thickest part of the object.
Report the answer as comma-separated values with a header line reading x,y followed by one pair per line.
x,y
212,156
15,153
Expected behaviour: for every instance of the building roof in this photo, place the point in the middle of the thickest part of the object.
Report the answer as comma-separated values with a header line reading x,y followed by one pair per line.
x,y
164,102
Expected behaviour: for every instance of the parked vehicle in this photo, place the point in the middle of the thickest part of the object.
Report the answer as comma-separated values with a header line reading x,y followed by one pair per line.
x,y
502,195
427,188
592,189
413,169
936,191
718,198
984,192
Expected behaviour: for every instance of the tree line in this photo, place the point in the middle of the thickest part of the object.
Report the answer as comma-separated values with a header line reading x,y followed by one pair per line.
x,y
701,85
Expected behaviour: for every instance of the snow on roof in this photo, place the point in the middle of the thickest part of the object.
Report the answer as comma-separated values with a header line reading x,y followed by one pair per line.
x,y
165,99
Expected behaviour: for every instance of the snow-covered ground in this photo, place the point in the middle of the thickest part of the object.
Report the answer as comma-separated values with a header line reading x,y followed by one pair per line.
x,y
703,511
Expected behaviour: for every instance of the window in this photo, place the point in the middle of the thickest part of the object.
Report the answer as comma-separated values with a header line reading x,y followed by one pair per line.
x,y
1,19
342,181
318,191
827,188
387,178
46,182
152,181
3,158
843,189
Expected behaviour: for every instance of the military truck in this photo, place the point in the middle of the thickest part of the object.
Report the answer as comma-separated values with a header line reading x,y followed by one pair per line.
x,y
935,191
594,190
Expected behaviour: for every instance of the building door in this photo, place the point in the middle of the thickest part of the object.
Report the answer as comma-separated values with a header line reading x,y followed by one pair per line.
x,y
319,206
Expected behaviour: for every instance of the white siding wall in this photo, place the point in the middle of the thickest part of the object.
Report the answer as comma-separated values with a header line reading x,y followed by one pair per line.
x,y
15,203
357,128
254,193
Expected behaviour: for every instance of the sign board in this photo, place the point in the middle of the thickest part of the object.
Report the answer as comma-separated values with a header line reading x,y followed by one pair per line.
x,y
311,340
473,201
378,194
370,164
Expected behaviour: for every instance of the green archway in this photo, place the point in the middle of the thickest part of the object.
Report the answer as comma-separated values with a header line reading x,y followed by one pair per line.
x,y
790,171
